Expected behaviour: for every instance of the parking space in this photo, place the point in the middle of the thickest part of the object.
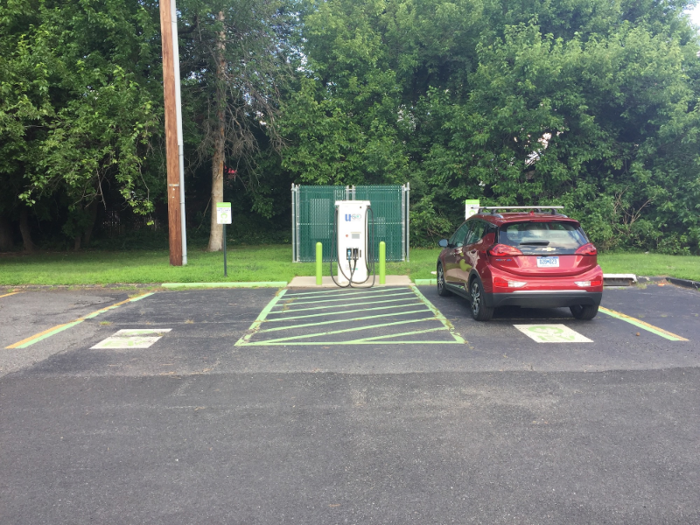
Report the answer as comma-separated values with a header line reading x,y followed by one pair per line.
x,y
663,305
669,339
396,316
164,333
26,313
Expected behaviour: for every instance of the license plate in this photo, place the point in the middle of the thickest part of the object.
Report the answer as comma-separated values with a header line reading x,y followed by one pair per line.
x,y
548,262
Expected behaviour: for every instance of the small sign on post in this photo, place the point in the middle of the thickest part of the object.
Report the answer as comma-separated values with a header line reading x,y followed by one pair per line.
x,y
223,213
223,216
471,207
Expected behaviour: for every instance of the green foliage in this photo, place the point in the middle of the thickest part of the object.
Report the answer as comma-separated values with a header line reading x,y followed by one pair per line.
x,y
591,104
341,121
77,109
233,66
588,103
427,226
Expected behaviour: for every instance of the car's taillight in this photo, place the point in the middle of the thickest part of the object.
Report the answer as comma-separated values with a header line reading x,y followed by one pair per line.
x,y
587,249
499,250
500,282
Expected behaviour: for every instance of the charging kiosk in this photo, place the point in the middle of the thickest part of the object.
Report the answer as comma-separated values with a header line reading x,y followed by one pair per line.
x,y
352,229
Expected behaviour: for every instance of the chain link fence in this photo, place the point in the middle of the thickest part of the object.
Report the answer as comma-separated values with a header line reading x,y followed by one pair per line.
x,y
313,218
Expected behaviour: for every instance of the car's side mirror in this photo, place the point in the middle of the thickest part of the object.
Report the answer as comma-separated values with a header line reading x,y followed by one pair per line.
x,y
443,243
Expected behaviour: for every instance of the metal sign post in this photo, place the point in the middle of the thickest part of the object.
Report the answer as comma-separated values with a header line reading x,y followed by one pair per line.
x,y
223,216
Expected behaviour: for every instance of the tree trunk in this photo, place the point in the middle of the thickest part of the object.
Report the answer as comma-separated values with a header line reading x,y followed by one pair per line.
x,y
25,230
92,214
217,165
6,241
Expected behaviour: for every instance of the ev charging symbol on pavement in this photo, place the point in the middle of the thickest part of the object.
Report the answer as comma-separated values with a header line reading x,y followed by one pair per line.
x,y
132,338
551,333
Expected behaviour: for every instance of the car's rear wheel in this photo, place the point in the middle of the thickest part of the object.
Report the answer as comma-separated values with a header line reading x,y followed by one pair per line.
x,y
441,288
480,312
584,312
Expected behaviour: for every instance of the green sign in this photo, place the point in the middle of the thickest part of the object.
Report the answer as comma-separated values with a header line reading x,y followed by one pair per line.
x,y
223,213
471,207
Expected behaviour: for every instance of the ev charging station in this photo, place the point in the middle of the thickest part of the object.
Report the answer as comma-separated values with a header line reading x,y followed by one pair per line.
x,y
353,242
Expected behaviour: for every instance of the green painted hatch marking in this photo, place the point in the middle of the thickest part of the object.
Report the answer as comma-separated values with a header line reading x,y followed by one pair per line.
x,y
279,323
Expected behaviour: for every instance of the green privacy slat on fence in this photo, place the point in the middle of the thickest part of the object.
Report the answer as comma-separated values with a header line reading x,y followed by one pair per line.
x,y
315,214
388,218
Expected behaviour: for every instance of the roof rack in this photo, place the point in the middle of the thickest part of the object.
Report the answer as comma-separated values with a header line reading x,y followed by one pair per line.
x,y
538,209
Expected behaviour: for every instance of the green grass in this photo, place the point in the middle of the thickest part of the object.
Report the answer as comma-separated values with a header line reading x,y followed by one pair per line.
x,y
652,264
245,264
255,263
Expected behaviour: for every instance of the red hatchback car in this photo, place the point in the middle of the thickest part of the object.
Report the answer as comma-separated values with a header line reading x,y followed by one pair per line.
x,y
524,258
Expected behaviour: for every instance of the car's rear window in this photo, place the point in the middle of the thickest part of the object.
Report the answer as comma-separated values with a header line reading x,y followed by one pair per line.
x,y
543,238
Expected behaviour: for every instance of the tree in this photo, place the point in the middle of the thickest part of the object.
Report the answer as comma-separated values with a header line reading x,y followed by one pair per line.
x,y
77,110
233,63
598,125
589,103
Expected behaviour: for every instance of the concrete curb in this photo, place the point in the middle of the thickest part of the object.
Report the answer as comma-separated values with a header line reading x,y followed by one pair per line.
x,y
611,279
109,286
262,284
327,282
650,279
619,279
685,283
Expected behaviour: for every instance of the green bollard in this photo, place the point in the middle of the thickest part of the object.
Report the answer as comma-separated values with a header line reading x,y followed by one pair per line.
x,y
382,262
319,263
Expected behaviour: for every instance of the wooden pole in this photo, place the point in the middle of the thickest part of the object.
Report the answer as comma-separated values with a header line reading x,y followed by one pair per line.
x,y
171,147
180,139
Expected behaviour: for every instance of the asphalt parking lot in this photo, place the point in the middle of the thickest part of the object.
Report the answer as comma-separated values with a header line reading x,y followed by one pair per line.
x,y
387,405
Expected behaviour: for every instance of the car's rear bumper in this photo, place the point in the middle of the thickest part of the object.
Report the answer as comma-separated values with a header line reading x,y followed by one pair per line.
x,y
543,299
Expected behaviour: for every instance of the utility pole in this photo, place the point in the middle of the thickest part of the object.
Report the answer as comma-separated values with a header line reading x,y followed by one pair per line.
x,y
173,134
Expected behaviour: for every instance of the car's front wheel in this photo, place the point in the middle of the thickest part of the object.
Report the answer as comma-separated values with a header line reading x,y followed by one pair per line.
x,y
441,288
480,312
584,312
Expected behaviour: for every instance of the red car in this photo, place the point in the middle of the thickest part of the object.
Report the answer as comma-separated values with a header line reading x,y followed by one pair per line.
x,y
524,258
